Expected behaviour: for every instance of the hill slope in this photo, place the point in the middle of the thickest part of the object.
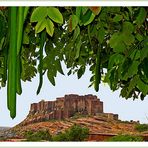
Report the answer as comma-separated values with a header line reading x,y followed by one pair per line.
x,y
95,124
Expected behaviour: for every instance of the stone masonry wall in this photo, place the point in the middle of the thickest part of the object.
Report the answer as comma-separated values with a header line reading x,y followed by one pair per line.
x,y
66,107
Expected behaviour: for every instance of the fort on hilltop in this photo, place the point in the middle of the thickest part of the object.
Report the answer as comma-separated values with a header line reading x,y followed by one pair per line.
x,y
66,107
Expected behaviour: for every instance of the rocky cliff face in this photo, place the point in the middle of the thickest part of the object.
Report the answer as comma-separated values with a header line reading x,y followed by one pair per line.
x,y
66,107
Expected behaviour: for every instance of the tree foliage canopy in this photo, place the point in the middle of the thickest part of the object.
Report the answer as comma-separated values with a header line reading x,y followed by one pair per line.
x,y
74,133
112,41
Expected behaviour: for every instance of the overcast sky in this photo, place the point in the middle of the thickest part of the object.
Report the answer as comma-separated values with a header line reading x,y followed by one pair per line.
x,y
127,109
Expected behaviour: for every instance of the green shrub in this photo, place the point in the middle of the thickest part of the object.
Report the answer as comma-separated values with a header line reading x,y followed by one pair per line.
x,y
38,135
125,138
61,137
75,133
3,138
141,127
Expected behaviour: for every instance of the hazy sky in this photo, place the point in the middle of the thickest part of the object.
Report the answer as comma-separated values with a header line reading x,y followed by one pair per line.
x,y
127,109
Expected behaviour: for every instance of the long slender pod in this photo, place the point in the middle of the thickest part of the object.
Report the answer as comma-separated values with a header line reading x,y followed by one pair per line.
x,y
97,70
18,76
12,63
22,14
20,24
42,42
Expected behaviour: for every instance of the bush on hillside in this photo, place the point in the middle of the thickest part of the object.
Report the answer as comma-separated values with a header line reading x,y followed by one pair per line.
x,y
38,135
141,127
125,138
75,133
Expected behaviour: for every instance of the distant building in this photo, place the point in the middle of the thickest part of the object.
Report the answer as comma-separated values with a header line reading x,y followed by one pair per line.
x,y
66,107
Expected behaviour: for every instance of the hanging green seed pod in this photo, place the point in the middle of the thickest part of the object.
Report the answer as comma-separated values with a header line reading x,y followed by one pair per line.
x,y
20,24
42,42
97,71
12,63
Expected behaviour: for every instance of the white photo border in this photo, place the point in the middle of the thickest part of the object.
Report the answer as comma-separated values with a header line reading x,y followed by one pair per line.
x,y
74,3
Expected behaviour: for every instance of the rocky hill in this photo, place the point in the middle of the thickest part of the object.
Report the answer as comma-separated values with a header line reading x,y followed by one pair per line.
x,y
98,126
59,115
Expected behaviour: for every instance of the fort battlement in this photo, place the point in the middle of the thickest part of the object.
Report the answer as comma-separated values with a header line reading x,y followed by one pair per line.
x,y
66,107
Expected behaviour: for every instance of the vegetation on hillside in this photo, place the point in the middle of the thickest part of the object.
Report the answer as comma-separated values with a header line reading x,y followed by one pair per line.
x,y
126,138
41,135
141,127
75,133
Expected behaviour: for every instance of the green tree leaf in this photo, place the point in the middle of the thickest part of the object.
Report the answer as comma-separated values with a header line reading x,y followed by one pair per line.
x,y
142,87
139,37
127,38
135,55
38,14
78,12
84,10
124,68
90,19
101,34
80,72
141,16
49,27
143,71
133,83
76,33
115,59
128,27
144,67
86,16
78,47
144,51
51,77
117,18
73,22
116,42
133,69
113,78
55,15
40,26
59,67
